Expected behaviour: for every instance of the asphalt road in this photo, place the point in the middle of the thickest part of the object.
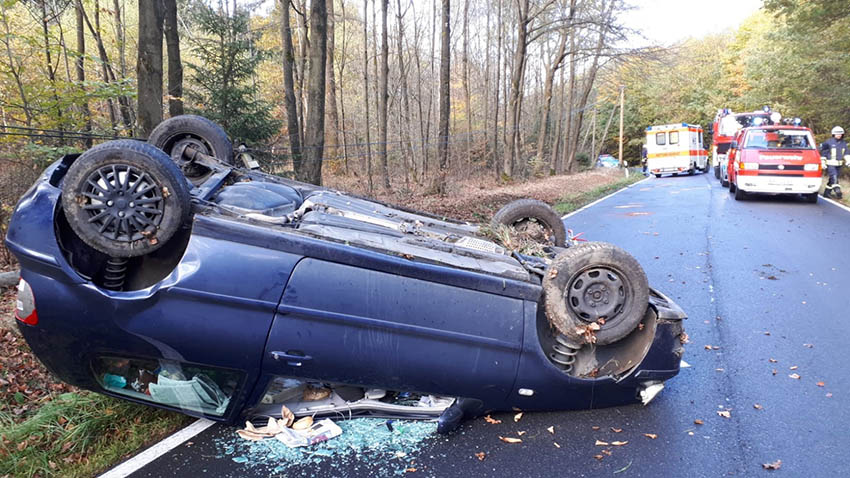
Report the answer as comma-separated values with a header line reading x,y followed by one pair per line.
x,y
761,280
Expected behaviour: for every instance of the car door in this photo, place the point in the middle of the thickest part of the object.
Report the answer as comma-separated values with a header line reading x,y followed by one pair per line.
x,y
347,324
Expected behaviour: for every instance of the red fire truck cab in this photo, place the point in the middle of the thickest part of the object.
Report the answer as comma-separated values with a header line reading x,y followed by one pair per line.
x,y
774,159
726,125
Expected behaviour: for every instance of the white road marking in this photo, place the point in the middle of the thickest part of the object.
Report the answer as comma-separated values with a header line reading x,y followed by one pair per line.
x,y
158,449
842,206
603,198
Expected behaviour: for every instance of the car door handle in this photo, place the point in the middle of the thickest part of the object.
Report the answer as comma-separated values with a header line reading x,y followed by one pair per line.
x,y
294,358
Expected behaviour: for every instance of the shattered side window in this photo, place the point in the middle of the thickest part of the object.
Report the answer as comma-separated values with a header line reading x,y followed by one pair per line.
x,y
188,387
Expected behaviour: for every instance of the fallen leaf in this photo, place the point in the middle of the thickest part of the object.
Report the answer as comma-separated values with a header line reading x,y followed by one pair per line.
x,y
517,417
683,338
795,376
772,360
601,443
766,333
698,421
556,444
607,452
481,455
287,418
772,466
708,347
551,430
491,420
820,384
598,457
619,443
66,446
650,435
774,371
808,345
510,440
757,406
410,470
829,395
793,367
616,430
725,414
521,433
601,321
594,428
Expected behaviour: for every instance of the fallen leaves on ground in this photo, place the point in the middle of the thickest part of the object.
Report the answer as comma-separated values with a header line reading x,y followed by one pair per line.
x,y
619,443
820,384
481,455
725,413
650,435
698,421
551,430
598,457
712,347
793,367
491,420
683,338
594,428
772,360
518,417
616,430
510,439
521,432
774,371
757,406
795,376
772,466
808,346
601,443
556,444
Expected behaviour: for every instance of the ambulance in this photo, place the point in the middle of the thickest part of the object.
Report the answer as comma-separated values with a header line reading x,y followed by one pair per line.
x,y
675,148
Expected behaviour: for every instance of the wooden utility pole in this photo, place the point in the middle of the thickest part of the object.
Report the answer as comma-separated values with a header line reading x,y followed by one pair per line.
x,y
622,100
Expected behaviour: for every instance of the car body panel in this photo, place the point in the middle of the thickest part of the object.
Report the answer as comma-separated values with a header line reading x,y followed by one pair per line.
x,y
775,169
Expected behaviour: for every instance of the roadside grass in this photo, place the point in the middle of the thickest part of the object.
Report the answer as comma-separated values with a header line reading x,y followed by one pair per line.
x,y
78,434
572,202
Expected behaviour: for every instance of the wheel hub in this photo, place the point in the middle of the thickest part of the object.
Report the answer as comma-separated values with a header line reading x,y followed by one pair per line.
x,y
123,203
596,293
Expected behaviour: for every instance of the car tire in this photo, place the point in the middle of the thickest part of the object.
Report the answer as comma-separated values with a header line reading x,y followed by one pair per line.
x,y
740,195
692,170
717,172
732,187
592,281
724,183
198,132
811,197
657,175
125,198
538,211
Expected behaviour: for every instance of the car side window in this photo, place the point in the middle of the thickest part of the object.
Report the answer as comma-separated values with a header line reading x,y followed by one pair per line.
x,y
660,139
674,137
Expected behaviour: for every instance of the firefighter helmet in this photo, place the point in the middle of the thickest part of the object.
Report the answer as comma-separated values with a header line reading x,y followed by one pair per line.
x,y
837,130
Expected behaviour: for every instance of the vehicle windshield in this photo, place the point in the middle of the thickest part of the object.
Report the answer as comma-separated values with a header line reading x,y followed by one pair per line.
x,y
779,139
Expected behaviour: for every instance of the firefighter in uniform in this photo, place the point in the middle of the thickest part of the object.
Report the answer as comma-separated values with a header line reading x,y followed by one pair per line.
x,y
834,154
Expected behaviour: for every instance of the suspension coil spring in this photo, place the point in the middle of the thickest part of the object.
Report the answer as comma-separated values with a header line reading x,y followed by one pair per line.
x,y
563,353
116,271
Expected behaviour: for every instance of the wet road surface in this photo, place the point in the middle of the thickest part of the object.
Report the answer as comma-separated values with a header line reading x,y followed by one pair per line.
x,y
766,285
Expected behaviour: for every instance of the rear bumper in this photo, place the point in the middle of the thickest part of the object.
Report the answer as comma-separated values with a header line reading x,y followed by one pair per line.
x,y
778,184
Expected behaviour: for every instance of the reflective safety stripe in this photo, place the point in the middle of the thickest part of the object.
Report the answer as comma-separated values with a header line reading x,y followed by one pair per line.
x,y
833,162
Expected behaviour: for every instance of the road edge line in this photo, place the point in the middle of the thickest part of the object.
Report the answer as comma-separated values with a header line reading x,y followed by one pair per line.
x,y
158,449
604,198
836,203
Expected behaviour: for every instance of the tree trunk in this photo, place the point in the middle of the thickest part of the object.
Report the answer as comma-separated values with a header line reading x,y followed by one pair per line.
x,y
445,102
175,66
13,61
465,74
81,67
486,95
342,58
514,145
366,93
332,124
404,124
149,67
547,95
564,163
383,96
51,71
314,133
290,104
496,158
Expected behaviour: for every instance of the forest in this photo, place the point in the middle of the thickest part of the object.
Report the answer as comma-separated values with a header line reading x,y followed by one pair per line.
x,y
404,95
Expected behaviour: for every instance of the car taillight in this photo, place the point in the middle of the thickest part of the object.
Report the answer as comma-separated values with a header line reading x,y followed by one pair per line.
x,y
25,306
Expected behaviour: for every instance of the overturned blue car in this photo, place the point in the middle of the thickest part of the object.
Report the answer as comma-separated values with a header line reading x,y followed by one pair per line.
x,y
165,273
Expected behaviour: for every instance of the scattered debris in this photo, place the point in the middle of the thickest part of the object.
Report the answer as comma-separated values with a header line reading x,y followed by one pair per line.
x,y
772,466
774,371
491,420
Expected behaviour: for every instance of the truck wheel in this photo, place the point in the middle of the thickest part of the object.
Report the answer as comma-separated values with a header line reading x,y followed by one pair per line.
x,y
732,187
739,194
692,170
811,197
174,134
125,198
532,219
595,283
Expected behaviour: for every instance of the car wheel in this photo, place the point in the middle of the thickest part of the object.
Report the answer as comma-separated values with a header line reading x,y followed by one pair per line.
x,y
692,170
531,219
125,198
724,183
657,175
811,197
595,283
175,134
732,187
717,173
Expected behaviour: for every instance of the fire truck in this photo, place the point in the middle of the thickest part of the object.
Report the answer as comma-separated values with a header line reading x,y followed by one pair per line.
x,y
724,128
